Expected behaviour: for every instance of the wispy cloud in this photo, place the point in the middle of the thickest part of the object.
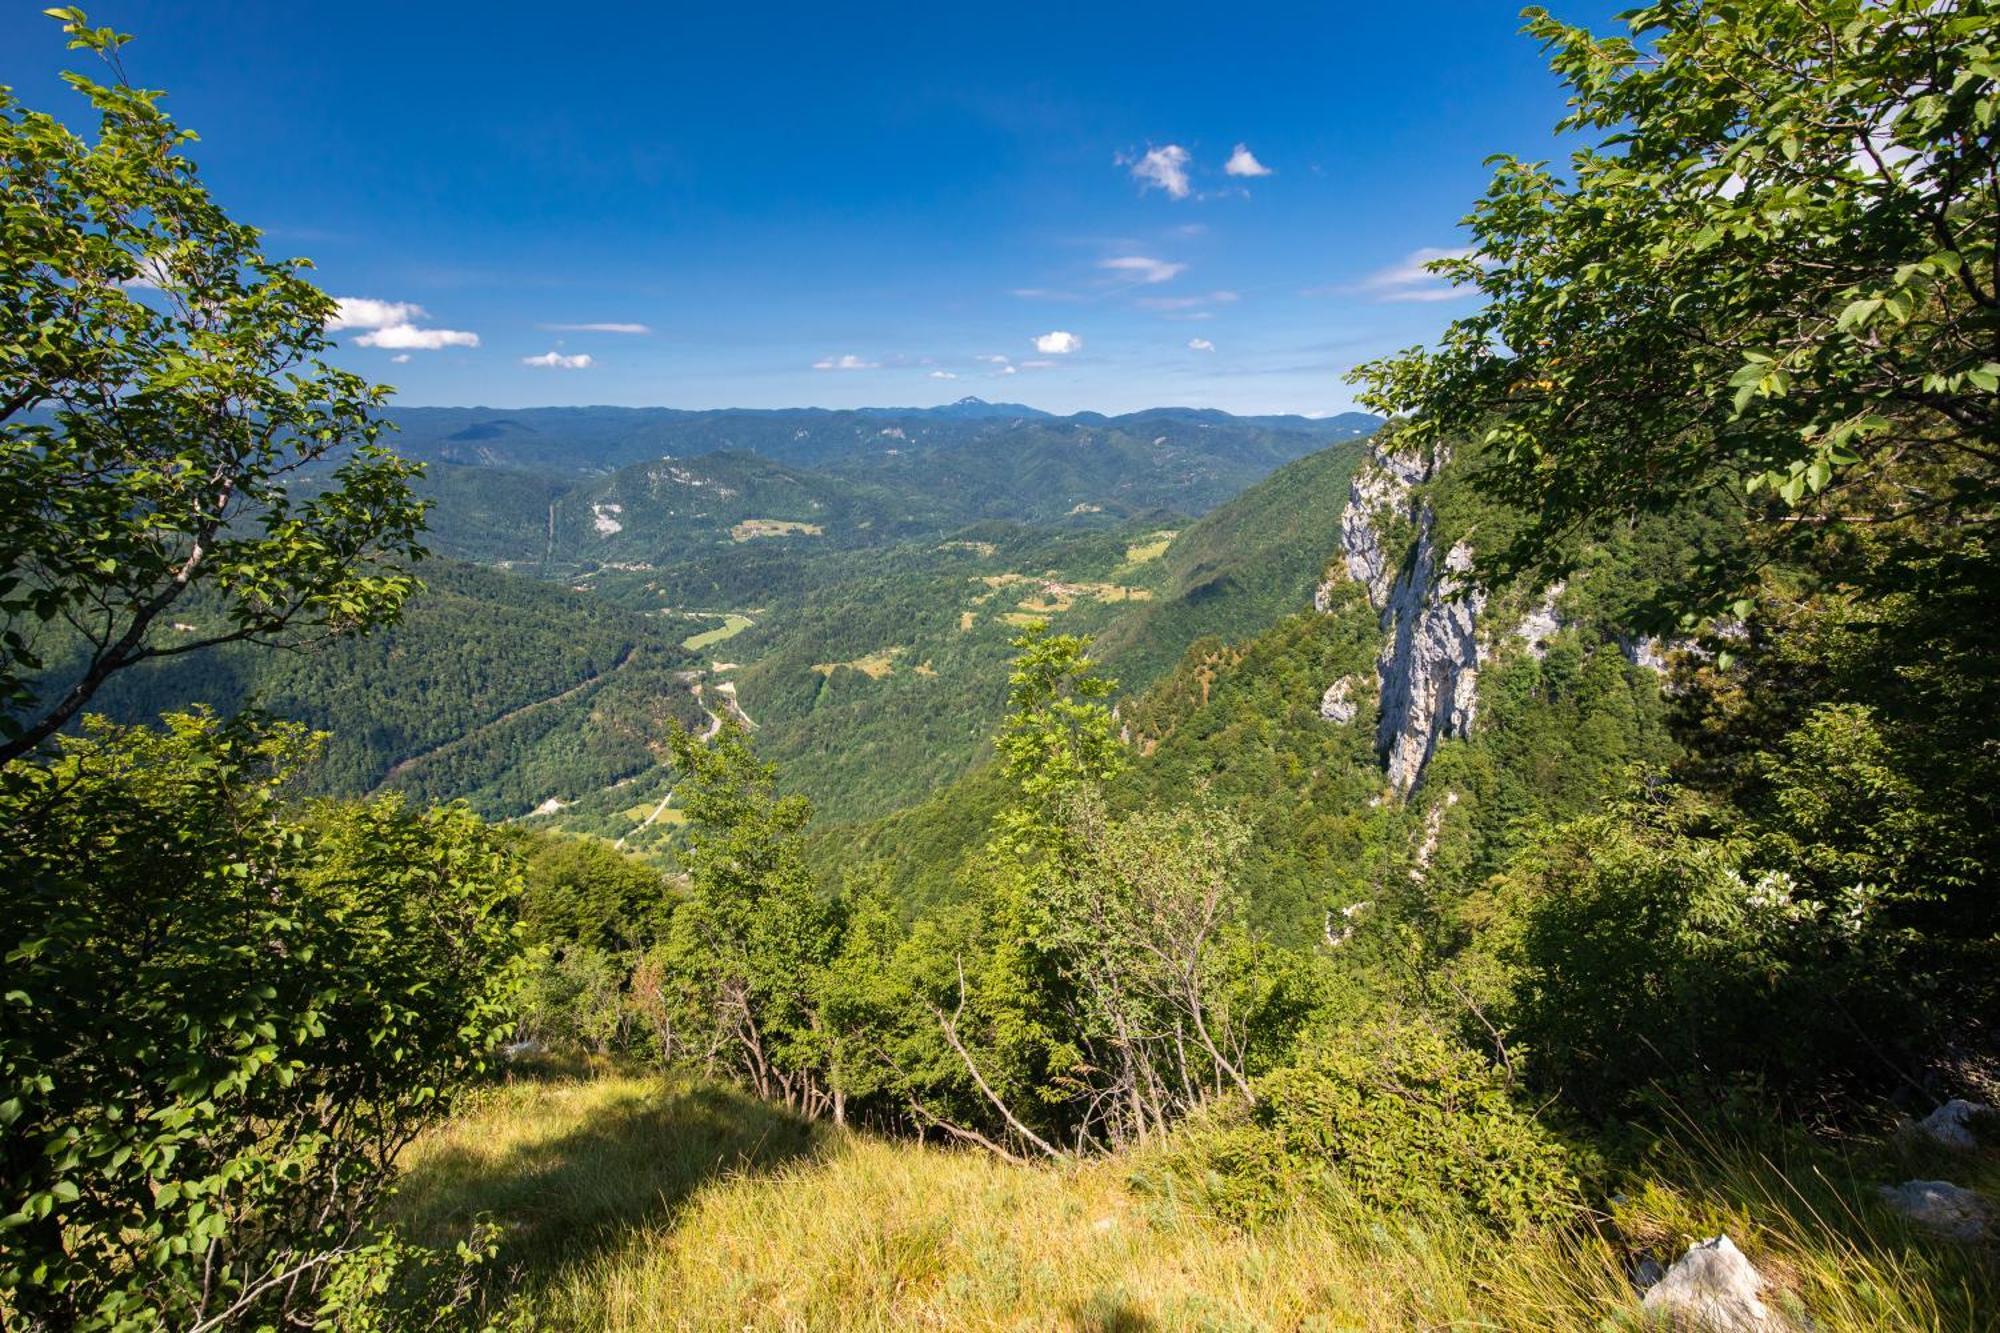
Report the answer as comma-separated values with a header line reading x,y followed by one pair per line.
x,y
1200,345
401,358
1044,294
391,325
1143,268
554,360
606,327
1185,302
1243,162
943,375
1163,168
1060,342
849,361
1409,280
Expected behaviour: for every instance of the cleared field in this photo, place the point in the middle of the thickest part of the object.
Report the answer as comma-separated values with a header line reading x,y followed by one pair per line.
x,y
731,626
752,528
875,665
1151,549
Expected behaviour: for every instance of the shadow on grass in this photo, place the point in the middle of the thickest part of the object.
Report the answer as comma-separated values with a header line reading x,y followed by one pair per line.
x,y
632,1164
1109,1312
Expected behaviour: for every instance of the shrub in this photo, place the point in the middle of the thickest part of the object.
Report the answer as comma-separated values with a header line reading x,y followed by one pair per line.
x,y
1397,1117
224,1015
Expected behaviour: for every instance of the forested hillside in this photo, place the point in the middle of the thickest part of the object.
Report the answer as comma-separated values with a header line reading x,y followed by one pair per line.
x,y
1522,860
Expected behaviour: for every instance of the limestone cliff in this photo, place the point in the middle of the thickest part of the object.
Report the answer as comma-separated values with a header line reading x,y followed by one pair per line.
x,y
1428,667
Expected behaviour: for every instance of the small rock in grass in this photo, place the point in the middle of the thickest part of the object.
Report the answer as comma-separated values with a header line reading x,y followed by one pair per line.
x,y
1951,1124
1942,1206
1715,1289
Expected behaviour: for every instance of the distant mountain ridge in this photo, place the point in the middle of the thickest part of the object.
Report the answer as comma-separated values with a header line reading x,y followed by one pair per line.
x,y
572,441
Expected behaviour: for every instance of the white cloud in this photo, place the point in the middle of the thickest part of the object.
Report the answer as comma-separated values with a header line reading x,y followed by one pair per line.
x,y
1185,302
389,325
423,340
1043,294
996,360
365,312
1243,162
1004,370
1200,345
943,375
846,362
1141,268
151,277
1408,280
1036,365
1058,343
555,360
1162,168
609,327
401,358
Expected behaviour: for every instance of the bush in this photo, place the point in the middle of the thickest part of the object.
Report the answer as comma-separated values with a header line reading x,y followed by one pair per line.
x,y
224,1016
1397,1117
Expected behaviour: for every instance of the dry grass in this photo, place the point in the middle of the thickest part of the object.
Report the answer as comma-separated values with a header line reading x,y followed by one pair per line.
x,y
1149,550
646,1204
875,665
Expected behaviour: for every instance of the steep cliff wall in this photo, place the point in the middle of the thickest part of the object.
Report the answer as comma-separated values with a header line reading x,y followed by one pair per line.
x,y
1428,668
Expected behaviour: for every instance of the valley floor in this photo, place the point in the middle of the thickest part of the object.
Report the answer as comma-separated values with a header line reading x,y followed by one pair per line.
x,y
646,1203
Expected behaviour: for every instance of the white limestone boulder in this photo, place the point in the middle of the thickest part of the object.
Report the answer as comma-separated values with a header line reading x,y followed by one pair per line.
x,y
1713,1289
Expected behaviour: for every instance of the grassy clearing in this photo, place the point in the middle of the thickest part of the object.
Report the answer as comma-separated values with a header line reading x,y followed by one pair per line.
x,y
1145,552
875,665
752,528
731,626
641,1203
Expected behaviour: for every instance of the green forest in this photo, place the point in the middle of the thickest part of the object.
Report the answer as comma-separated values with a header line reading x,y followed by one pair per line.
x,y
1522,859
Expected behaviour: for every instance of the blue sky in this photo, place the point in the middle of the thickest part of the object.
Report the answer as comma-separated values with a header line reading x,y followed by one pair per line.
x,y
849,205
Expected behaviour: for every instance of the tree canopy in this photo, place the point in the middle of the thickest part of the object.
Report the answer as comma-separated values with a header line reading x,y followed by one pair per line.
x,y
1771,268
162,390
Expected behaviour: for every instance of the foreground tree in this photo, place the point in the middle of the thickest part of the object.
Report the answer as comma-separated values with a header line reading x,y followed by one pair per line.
x,y
224,1016
162,394
1772,270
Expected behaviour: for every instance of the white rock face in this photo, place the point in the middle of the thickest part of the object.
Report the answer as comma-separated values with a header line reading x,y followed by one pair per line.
x,y
1337,704
1951,1124
1941,1206
1715,1289
1541,624
1381,487
1429,667
604,518
1429,664
1645,651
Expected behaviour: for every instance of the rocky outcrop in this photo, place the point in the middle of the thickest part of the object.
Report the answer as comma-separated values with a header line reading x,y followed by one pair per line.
x,y
1715,1289
1379,493
1429,668
1543,623
1337,704
1429,664
1952,1124
1941,1206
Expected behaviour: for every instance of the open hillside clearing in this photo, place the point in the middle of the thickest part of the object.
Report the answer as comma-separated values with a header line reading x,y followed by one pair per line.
x,y
653,1203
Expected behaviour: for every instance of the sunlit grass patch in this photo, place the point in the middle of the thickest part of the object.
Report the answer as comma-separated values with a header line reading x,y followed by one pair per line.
x,y
656,1203
874,665
731,626
752,528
